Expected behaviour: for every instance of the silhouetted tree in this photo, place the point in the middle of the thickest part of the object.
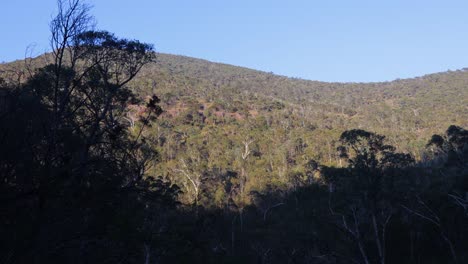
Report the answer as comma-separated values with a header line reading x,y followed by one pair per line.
x,y
451,147
365,208
71,170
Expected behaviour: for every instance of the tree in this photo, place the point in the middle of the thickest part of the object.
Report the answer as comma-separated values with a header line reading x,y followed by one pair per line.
x,y
70,165
452,147
443,206
367,191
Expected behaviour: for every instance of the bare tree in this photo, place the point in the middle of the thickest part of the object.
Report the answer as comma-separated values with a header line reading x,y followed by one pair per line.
x,y
193,177
427,214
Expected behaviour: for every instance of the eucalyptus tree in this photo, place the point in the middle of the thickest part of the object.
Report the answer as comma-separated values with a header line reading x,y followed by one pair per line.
x,y
71,167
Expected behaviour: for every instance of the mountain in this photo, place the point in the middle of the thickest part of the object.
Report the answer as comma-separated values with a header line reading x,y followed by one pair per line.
x,y
407,111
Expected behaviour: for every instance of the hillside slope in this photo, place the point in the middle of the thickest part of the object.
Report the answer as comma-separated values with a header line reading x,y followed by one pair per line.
x,y
408,111
415,107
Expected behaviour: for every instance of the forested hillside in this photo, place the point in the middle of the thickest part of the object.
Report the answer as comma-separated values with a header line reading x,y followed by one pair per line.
x,y
112,153
223,118
407,111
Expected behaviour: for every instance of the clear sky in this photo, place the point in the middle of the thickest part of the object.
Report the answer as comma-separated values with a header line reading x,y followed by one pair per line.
x,y
327,40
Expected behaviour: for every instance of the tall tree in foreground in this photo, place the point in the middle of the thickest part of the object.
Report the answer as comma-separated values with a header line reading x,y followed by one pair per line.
x,y
364,202
72,174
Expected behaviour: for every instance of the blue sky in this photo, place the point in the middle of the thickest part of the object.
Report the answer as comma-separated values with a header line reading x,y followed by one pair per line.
x,y
351,40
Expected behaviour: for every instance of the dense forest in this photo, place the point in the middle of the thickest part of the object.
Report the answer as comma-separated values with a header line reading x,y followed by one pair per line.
x,y
113,153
